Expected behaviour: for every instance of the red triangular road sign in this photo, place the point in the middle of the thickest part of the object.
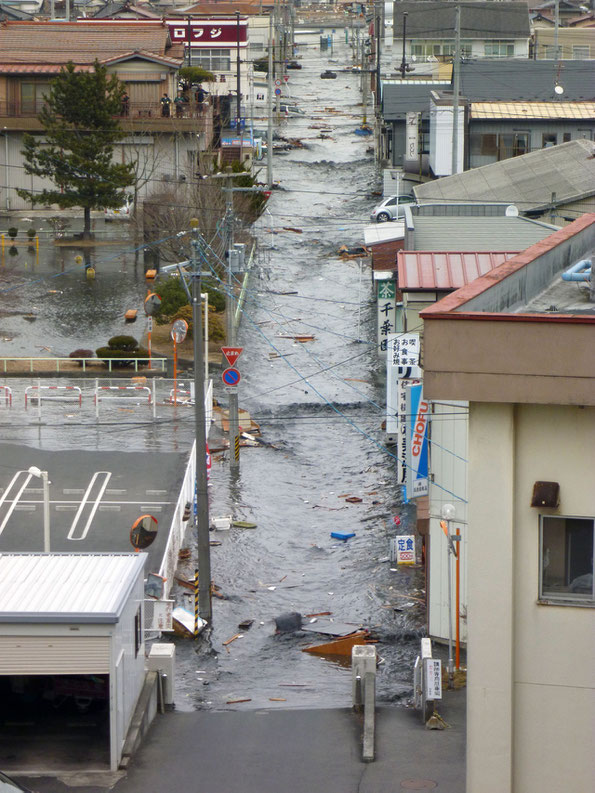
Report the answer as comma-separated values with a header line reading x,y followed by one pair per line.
x,y
232,354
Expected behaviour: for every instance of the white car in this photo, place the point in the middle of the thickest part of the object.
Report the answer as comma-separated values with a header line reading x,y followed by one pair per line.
x,y
121,213
389,209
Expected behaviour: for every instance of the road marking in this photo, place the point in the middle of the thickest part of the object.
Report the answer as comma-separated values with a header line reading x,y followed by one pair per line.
x,y
107,476
17,497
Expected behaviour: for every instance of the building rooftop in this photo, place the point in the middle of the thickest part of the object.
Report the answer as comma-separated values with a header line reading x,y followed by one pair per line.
x,y
66,587
479,20
81,42
476,233
533,110
568,170
445,270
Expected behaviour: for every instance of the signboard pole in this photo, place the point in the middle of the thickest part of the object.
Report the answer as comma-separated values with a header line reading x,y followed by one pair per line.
x,y
202,493
175,372
234,433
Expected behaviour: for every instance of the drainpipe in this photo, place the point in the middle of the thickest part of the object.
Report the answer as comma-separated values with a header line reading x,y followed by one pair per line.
x,y
581,271
6,172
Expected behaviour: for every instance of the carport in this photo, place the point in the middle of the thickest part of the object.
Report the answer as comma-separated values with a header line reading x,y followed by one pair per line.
x,y
71,658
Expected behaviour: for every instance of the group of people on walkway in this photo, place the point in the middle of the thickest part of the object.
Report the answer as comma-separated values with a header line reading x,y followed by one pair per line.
x,y
182,103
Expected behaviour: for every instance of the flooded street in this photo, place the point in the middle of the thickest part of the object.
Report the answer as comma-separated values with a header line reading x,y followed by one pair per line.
x,y
320,406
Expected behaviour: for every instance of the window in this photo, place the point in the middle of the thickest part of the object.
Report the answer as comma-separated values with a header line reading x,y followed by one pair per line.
x,y
502,146
566,136
566,560
548,51
436,49
548,139
489,145
580,53
499,49
138,632
211,60
33,96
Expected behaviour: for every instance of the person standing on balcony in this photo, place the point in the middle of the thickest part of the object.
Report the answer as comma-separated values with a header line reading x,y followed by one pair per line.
x,y
125,104
179,102
165,105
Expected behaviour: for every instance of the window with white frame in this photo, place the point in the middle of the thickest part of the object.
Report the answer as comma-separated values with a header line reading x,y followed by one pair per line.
x,y
211,60
422,48
499,49
580,52
566,560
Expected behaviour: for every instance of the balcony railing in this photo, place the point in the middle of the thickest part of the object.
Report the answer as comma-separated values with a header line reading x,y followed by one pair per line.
x,y
129,110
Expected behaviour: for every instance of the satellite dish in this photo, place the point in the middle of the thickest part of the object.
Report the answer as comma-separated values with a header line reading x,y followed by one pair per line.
x,y
559,89
143,532
512,211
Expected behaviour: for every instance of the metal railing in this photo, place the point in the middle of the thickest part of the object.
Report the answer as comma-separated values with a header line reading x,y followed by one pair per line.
x,y
131,110
85,363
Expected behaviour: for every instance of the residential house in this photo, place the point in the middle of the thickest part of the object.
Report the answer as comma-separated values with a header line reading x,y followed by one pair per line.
x,y
494,96
573,43
488,30
141,54
125,9
517,345
557,182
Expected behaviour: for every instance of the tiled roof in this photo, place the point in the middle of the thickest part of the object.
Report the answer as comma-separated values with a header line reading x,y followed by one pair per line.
x,y
436,20
445,270
38,68
79,42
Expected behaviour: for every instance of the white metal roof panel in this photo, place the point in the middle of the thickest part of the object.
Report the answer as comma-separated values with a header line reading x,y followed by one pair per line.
x,y
384,232
36,587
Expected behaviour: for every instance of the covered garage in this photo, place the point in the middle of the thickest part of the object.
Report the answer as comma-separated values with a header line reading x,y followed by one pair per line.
x,y
72,659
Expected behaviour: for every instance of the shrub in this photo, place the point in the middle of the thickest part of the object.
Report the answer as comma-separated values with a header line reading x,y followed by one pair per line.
x,y
13,251
13,231
31,233
124,343
81,354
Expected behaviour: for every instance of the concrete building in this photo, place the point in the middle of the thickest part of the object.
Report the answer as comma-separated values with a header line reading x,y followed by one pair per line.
x,y
72,656
517,344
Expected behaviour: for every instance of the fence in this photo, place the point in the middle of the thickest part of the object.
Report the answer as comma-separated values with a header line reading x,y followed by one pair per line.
x,y
35,365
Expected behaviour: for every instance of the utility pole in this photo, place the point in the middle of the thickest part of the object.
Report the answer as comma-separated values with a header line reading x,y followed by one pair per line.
x,y
403,68
455,101
202,493
556,28
270,108
234,428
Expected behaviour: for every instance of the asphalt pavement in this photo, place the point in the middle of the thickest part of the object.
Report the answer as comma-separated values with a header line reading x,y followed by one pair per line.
x,y
289,751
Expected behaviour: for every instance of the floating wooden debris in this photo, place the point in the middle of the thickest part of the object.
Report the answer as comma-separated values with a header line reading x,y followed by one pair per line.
x,y
130,315
289,228
353,253
277,699
300,337
184,622
245,624
236,701
353,500
341,646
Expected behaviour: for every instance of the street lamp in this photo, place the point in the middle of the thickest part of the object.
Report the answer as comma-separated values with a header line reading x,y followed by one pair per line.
x,y
43,475
448,512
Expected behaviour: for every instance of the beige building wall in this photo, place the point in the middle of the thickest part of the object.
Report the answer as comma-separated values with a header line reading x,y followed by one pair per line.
x,y
531,687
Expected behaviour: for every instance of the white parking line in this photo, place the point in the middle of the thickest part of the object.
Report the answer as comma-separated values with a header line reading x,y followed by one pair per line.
x,y
107,476
17,497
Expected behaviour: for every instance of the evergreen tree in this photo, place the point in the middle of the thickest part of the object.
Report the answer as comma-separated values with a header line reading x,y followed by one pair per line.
x,y
75,153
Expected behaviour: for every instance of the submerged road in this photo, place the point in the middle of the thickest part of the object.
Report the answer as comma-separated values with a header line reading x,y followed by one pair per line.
x,y
320,407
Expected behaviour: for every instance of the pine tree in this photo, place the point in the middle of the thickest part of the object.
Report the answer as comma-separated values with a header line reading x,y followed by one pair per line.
x,y
75,153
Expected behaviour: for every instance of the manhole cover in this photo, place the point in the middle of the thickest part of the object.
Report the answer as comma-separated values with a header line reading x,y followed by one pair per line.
x,y
418,784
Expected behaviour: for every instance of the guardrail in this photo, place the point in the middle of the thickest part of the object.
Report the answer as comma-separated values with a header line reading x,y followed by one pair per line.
x,y
112,363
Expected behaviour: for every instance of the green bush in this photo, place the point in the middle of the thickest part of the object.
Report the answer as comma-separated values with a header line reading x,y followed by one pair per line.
x,y
125,343
31,233
13,251
13,231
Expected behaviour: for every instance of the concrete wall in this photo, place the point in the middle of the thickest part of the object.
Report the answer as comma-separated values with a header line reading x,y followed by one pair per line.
x,y
441,139
448,465
531,685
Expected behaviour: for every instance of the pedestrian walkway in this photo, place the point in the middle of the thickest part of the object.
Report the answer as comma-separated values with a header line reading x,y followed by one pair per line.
x,y
297,751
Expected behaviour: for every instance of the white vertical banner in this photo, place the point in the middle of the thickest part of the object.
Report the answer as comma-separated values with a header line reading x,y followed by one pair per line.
x,y
418,413
386,302
411,136
402,361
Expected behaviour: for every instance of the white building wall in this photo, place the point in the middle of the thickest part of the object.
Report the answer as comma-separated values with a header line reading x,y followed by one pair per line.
x,y
124,692
448,466
441,133
531,686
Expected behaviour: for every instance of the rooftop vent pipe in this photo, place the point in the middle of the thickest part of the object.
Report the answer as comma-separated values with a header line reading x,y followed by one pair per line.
x,y
581,271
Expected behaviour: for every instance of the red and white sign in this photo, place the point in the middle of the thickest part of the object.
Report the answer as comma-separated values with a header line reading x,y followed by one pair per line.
x,y
397,520
232,354
214,32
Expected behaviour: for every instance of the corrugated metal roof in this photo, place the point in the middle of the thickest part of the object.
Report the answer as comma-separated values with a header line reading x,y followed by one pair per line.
x,y
384,232
500,110
568,170
445,270
477,233
83,588
437,20
80,42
